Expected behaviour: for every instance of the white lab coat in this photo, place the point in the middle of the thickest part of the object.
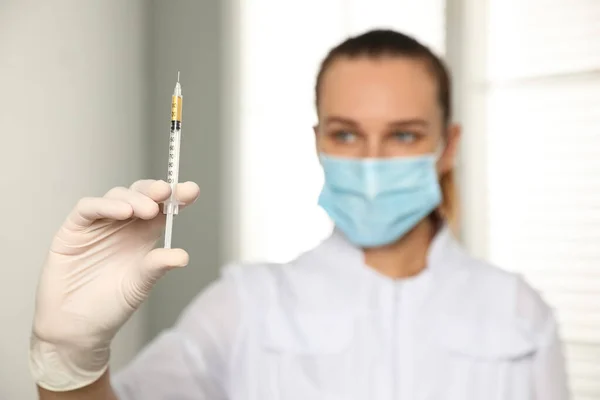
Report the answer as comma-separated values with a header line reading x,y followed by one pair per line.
x,y
326,326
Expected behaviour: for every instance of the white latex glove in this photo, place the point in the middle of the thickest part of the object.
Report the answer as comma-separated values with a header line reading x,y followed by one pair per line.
x,y
100,268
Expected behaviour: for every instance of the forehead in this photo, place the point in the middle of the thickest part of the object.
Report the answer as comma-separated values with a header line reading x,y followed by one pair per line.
x,y
379,88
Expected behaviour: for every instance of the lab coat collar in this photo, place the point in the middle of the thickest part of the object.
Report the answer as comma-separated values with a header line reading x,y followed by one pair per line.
x,y
443,256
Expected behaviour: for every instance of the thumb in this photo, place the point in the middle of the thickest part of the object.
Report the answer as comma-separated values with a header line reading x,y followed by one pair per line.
x,y
159,261
154,265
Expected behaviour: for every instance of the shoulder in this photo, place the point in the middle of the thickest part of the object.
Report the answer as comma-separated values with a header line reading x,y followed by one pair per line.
x,y
241,288
305,281
500,299
260,284
258,279
224,297
510,292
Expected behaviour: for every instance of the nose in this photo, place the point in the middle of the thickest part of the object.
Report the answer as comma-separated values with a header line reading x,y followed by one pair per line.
x,y
373,148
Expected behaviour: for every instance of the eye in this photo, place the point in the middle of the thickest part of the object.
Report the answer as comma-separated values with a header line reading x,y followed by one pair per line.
x,y
405,137
344,136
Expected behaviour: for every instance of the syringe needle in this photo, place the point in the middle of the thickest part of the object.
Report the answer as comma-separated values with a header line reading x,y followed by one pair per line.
x,y
171,206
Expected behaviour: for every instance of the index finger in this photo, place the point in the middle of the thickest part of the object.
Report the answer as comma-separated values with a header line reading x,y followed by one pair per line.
x,y
90,209
157,190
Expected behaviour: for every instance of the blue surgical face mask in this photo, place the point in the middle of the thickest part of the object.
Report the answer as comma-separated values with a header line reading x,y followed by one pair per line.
x,y
375,202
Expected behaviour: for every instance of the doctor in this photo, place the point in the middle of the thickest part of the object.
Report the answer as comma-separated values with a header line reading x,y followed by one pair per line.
x,y
389,307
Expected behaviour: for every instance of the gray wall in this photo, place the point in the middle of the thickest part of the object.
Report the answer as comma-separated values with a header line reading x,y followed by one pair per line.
x,y
187,35
84,104
73,90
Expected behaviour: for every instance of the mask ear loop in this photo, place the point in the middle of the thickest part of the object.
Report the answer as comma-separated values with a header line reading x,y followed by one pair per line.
x,y
439,152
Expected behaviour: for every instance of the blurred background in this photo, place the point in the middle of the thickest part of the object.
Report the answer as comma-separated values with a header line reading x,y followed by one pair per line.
x,y
85,92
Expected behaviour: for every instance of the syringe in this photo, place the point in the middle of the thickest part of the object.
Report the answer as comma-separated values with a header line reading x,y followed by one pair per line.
x,y
171,206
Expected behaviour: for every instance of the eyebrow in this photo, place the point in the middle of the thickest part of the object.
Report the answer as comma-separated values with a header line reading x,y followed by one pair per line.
x,y
351,122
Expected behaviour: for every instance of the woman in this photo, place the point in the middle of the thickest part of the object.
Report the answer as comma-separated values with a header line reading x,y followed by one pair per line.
x,y
389,307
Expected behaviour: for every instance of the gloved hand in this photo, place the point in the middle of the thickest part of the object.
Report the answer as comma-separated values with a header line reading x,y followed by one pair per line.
x,y
100,268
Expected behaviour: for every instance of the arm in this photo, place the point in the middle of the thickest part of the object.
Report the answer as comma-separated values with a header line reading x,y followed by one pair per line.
x,y
99,390
549,375
191,360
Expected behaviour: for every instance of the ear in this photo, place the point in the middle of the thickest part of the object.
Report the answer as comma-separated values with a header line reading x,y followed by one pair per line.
x,y
448,159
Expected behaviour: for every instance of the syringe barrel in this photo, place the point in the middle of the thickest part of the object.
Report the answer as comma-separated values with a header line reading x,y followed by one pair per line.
x,y
171,206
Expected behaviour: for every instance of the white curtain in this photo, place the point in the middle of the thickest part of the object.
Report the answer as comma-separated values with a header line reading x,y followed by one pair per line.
x,y
543,164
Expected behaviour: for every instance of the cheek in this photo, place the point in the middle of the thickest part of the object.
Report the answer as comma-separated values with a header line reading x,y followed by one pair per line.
x,y
324,144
